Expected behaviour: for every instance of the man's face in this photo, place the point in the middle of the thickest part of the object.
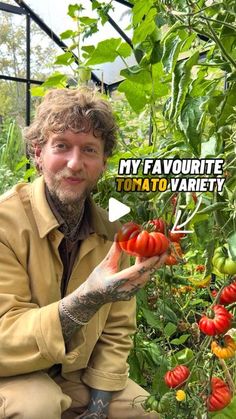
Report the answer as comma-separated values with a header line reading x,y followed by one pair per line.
x,y
71,164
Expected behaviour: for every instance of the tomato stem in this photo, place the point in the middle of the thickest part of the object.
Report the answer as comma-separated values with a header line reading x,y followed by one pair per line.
x,y
227,375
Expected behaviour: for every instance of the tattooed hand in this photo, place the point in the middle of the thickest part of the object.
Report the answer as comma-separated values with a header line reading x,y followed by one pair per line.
x,y
106,285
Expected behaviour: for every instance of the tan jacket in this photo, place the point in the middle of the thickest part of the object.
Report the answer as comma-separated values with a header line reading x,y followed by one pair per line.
x,y
30,272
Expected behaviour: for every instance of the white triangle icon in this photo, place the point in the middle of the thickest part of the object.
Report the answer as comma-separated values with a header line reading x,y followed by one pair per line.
x,y
116,209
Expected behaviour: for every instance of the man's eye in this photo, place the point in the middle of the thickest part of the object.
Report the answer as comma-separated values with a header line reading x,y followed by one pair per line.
x,y
90,150
60,146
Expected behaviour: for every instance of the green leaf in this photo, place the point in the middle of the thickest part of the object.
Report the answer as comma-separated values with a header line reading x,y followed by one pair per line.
x,y
146,27
135,94
151,318
87,20
68,34
135,371
37,91
64,59
160,85
73,8
164,310
140,9
211,208
141,76
56,80
189,122
171,49
170,329
124,50
185,78
105,51
180,340
232,245
182,357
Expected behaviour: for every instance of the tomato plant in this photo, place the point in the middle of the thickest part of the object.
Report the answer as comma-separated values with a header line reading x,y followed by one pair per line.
x,y
223,262
177,376
138,242
220,395
220,322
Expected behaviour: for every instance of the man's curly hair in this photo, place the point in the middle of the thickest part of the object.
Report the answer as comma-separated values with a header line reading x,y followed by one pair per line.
x,y
79,110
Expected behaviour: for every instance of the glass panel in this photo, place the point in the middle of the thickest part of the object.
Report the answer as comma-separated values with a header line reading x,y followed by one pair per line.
x,y
12,100
12,44
43,53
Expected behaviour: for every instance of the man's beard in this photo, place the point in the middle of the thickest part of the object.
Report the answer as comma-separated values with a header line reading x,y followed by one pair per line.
x,y
64,194
69,205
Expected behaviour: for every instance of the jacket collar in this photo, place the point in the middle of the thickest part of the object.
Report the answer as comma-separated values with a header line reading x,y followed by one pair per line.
x,y
46,220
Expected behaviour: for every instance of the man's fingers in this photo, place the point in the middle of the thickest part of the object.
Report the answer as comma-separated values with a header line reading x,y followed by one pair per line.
x,y
113,256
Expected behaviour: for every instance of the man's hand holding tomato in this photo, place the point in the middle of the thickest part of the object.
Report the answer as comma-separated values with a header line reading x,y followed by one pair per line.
x,y
106,284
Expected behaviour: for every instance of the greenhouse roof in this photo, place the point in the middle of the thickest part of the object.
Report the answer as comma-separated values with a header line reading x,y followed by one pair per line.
x,y
52,17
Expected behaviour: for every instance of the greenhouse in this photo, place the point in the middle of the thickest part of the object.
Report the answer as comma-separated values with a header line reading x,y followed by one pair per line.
x,y
118,209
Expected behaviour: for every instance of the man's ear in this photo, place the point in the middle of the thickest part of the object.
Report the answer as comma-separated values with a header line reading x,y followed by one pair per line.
x,y
37,156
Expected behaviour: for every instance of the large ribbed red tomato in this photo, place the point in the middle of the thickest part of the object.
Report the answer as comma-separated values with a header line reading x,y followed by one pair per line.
x,y
220,323
139,242
177,376
228,294
220,395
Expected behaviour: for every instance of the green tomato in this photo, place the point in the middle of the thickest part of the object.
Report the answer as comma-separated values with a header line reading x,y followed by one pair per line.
x,y
223,262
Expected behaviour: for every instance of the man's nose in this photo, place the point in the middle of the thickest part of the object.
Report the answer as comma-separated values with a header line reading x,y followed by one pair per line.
x,y
75,161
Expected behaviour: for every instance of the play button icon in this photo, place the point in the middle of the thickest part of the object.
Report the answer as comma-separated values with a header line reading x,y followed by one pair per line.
x,y
116,209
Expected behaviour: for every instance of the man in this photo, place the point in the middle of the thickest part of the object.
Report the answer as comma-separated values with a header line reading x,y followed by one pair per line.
x,y
66,294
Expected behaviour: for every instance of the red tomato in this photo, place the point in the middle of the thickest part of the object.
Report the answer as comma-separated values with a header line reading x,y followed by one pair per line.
x,y
228,294
175,237
176,253
177,376
220,395
158,225
219,324
137,242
